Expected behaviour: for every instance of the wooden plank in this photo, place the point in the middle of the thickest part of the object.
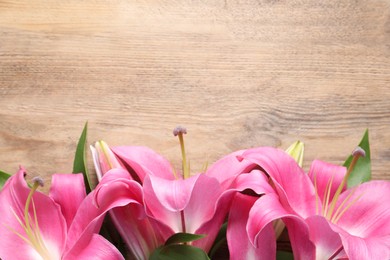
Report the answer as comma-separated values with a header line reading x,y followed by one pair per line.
x,y
238,74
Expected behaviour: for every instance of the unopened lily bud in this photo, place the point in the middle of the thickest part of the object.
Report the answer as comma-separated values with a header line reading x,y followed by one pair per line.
x,y
296,151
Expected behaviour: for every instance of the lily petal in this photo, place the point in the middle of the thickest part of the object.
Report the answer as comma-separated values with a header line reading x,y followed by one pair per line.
x,y
196,196
98,248
90,214
228,167
124,198
140,233
327,241
201,206
173,195
287,177
256,181
268,209
366,222
240,246
144,161
368,216
212,226
68,191
366,248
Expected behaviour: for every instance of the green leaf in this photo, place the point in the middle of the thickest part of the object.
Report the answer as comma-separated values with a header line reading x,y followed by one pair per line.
x,y
182,238
362,171
3,178
80,162
282,255
178,252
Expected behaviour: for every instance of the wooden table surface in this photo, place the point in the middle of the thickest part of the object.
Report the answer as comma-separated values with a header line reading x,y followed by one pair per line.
x,y
237,74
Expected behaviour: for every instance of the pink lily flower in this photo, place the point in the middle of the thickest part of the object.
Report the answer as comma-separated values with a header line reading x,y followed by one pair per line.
x,y
63,225
324,219
169,202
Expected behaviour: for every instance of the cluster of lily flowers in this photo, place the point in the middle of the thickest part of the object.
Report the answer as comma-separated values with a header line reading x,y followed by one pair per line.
x,y
258,201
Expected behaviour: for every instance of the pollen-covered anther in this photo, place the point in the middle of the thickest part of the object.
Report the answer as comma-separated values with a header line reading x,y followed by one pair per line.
x,y
38,180
179,130
359,152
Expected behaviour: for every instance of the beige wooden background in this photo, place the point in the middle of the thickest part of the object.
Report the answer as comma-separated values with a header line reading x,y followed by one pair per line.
x,y
237,74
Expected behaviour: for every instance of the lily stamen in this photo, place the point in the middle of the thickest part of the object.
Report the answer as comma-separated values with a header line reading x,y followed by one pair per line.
x,y
327,196
179,131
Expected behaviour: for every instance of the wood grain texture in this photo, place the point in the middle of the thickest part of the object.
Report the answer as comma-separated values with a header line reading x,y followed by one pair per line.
x,y
237,74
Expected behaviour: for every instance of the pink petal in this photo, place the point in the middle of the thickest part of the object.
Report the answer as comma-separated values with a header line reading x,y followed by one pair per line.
x,y
298,234
364,228
173,195
140,234
202,208
68,191
268,209
98,248
51,222
325,239
202,204
108,194
255,180
143,161
212,226
228,167
366,248
287,177
239,243
369,216
322,173
115,174
168,218
196,196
